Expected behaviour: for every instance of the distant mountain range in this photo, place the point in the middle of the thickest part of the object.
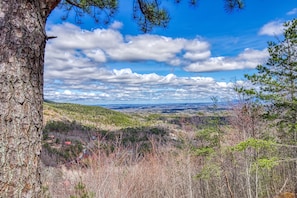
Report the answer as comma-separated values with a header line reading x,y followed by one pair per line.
x,y
165,108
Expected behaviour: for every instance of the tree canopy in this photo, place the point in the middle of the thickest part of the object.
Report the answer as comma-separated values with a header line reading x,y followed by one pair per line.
x,y
147,13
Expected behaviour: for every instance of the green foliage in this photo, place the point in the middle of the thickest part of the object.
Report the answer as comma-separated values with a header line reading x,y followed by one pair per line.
x,y
45,192
230,5
154,117
255,144
56,126
45,136
140,137
92,114
63,127
204,151
66,153
209,135
81,191
149,14
100,10
265,163
275,83
209,171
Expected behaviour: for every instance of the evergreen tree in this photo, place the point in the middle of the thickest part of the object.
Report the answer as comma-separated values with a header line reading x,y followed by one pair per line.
x,y
275,87
275,83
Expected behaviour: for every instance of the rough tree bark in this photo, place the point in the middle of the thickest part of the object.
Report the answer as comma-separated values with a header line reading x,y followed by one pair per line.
x,y
22,44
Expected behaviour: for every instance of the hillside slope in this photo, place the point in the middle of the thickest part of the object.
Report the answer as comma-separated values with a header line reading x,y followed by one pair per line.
x,y
92,116
72,130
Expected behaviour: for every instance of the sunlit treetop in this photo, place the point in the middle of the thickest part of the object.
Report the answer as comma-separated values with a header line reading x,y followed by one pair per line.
x,y
147,13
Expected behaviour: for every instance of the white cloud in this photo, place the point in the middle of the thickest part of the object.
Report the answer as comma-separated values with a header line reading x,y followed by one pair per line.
x,y
248,59
159,48
73,37
102,85
272,28
292,12
103,44
116,25
77,67
139,87
146,47
193,56
97,55
67,92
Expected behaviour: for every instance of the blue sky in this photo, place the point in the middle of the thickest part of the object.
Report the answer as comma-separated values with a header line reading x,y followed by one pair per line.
x,y
204,52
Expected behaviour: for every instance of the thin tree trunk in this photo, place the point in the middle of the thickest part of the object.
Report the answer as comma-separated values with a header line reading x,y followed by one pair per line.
x,y
22,44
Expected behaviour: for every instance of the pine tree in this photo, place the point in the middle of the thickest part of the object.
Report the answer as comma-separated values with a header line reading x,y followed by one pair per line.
x,y
275,83
275,87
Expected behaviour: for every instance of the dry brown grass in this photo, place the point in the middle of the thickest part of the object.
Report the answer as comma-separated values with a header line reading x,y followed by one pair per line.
x,y
159,174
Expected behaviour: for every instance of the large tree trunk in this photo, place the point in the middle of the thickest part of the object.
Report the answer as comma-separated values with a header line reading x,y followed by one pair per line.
x,y
22,44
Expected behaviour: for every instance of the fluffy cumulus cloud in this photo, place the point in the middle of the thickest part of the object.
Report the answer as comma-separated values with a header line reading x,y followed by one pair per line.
x,y
124,85
77,67
109,44
272,28
248,59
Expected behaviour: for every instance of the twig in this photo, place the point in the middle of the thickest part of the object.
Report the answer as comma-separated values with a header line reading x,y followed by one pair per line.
x,y
280,191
